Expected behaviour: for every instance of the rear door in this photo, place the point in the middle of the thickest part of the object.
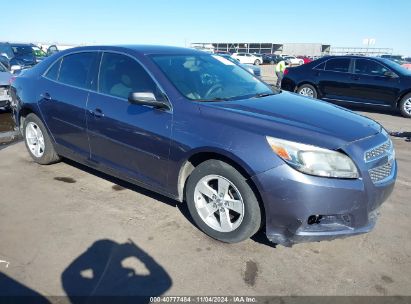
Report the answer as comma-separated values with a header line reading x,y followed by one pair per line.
x,y
373,83
64,90
131,139
334,78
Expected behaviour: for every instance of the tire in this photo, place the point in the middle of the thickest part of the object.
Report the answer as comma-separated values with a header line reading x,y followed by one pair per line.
x,y
405,106
307,90
257,62
38,142
242,224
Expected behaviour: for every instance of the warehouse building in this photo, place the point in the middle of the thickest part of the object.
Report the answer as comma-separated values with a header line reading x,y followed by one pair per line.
x,y
304,49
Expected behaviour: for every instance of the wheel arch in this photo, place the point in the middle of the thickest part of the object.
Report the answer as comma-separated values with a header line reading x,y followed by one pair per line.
x,y
201,156
23,112
401,96
310,83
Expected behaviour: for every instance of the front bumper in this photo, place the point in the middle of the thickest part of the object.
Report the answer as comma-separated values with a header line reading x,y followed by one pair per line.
x,y
303,208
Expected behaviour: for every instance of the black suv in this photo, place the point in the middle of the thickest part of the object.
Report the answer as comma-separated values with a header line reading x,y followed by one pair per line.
x,y
353,79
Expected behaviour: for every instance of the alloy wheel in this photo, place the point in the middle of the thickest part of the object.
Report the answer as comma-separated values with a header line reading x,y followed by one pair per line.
x,y
407,106
307,92
35,139
219,203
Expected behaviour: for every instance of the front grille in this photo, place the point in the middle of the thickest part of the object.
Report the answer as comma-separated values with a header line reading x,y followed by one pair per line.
x,y
378,151
380,173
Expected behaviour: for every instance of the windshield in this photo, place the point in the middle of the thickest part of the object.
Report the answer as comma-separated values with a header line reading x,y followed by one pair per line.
x,y
22,50
210,77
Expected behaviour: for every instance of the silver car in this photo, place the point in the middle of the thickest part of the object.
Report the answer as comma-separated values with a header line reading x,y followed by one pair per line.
x,y
5,77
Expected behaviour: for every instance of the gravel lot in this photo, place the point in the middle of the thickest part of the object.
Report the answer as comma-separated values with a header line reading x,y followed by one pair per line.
x,y
67,229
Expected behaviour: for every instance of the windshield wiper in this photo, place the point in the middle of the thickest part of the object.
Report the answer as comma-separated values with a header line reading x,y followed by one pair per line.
x,y
263,95
214,99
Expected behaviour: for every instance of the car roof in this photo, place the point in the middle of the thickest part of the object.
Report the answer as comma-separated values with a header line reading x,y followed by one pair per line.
x,y
141,49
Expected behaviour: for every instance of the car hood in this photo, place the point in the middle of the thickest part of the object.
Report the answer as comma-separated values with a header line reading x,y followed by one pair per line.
x,y
4,78
293,117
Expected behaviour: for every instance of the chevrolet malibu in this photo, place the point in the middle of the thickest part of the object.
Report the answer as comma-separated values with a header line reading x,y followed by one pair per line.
x,y
199,129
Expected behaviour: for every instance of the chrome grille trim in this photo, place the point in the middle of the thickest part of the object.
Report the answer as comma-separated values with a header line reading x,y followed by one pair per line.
x,y
379,151
379,174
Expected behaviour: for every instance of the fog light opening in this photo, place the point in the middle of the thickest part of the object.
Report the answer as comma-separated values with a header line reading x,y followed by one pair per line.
x,y
314,219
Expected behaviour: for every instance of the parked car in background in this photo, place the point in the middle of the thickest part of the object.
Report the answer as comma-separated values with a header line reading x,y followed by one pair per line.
x,y
24,55
305,59
407,65
353,79
271,58
253,69
248,58
19,54
5,77
200,129
294,60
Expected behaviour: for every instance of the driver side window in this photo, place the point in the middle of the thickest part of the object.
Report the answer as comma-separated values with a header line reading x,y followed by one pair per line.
x,y
121,75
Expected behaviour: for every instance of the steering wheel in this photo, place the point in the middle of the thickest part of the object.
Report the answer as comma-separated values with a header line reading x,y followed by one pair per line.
x,y
214,88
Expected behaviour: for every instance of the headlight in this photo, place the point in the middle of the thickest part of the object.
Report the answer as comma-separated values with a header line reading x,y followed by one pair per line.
x,y
314,160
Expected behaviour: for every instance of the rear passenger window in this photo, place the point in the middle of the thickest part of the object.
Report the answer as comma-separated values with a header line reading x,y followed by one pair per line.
x,y
338,65
75,68
369,67
53,72
120,75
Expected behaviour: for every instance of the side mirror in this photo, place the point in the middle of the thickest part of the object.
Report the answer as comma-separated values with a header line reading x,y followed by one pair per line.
x,y
147,99
390,74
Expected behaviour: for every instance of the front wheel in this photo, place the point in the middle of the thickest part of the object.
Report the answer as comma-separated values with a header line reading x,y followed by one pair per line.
x,y
257,62
405,106
38,142
222,203
307,90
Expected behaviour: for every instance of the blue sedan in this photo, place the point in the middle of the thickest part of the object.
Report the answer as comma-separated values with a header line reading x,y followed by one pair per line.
x,y
200,129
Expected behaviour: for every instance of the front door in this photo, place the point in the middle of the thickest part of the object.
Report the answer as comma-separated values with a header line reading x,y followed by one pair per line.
x,y
134,140
373,83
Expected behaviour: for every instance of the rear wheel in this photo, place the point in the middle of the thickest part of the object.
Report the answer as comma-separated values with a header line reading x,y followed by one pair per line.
x,y
405,106
38,142
257,62
221,202
307,90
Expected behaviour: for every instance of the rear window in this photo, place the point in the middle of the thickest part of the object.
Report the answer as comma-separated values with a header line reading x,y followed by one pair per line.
x,y
338,65
74,69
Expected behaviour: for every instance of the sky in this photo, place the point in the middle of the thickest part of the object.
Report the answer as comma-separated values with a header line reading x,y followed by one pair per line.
x,y
341,23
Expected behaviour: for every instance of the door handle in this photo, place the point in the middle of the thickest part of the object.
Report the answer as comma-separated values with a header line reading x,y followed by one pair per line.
x,y
355,77
45,96
97,113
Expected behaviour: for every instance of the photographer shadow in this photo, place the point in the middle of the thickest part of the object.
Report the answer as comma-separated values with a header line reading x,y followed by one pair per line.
x,y
112,272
